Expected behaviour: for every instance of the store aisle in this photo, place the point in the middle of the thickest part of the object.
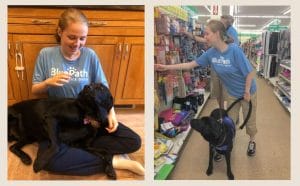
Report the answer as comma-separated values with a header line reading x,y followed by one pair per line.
x,y
272,159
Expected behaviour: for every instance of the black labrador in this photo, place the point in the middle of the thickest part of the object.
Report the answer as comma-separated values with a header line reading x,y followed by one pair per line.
x,y
67,120
219,130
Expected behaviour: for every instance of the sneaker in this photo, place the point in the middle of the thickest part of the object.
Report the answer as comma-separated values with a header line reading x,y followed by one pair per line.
x,y
218,157
251,148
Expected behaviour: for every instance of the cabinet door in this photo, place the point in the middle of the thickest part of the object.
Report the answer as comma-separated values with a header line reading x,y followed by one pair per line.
x,y
130,88
13,87
109,50
30,47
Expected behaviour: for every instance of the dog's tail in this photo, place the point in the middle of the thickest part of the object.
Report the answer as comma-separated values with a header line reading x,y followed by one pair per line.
x,y
12,125
249,111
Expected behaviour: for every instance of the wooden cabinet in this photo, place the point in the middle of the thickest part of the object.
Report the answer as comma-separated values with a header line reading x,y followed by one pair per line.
x,y
13,86
116,36
131,70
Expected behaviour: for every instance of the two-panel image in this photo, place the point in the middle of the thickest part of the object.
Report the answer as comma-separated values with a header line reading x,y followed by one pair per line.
x,y
221,92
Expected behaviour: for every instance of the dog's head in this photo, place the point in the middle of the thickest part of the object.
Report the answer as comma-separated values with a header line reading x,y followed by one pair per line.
x,y
211,130
218,114
96,101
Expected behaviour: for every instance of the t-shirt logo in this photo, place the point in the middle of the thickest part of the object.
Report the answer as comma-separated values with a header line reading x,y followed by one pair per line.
x,y
76,75
221,61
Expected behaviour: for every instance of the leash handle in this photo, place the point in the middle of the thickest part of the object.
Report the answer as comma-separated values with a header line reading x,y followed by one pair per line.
x,y
248,115
249,111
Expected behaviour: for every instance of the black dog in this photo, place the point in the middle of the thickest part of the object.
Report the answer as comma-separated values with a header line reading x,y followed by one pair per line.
x,y
219,130
60,120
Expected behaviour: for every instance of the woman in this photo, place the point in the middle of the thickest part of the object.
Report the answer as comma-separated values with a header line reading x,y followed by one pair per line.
x,y
234,71
228,20
62,71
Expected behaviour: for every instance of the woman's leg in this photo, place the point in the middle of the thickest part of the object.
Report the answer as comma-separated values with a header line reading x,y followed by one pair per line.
x,y
122,141
72,161
251,129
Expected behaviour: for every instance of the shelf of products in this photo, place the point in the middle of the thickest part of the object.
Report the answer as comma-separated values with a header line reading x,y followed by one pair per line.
x,y
179,95
283,86
167,150
283,100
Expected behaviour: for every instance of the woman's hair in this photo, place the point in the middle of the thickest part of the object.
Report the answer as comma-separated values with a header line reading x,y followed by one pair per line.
x,y
71,15
228,19
215,26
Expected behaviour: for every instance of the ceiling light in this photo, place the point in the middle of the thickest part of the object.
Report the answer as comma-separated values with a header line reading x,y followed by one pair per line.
x,y
249,26
268,24
250,31
262,16
206,7
287,11
231,9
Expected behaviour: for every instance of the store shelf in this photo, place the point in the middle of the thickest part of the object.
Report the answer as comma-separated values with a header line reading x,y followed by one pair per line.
x,y
286,64
273,80
284,91
280,100
164,170
284,78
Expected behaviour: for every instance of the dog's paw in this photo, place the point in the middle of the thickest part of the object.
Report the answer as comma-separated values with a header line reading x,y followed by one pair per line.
x,y
110,172
230,176
26,160
209,171
37,166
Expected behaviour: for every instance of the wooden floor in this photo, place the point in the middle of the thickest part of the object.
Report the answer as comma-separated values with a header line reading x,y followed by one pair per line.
x,y
133,118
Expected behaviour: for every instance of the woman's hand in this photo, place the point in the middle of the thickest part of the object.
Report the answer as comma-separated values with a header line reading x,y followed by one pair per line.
x,y
58,80
160,67
112,121
247,96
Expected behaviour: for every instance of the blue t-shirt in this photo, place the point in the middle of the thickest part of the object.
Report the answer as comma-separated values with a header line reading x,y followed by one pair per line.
x,y
233,33
84,70
231,66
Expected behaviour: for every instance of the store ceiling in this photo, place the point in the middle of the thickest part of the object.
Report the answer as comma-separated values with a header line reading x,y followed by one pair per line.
x,y
250,18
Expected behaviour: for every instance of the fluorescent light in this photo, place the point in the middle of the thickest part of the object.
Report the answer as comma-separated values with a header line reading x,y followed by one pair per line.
x,y
268,24
206,7
287,11
250,26
201,15
231,9
263,16
250,31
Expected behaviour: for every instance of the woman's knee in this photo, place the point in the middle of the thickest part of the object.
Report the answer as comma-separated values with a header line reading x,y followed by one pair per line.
x,y
135,143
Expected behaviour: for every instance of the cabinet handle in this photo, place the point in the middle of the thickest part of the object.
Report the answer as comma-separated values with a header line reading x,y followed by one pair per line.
x,y
40,21
97,23
119,49
126,50
19,62
9,49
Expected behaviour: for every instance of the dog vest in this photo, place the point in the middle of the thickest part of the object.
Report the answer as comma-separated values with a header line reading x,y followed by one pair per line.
x,y
228,122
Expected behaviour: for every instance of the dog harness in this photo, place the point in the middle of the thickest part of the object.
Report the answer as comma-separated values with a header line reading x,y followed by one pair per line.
x,y
228,123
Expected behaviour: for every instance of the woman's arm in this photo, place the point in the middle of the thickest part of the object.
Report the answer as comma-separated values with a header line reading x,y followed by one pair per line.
x,y
249,78
196,38
112,121
180,66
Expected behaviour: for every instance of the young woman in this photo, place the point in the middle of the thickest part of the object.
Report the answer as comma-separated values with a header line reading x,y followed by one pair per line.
x,y
62,71
234,71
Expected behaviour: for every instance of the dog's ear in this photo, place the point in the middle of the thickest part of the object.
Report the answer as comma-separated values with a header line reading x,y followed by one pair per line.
x,y
198,124
102,116
218,114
